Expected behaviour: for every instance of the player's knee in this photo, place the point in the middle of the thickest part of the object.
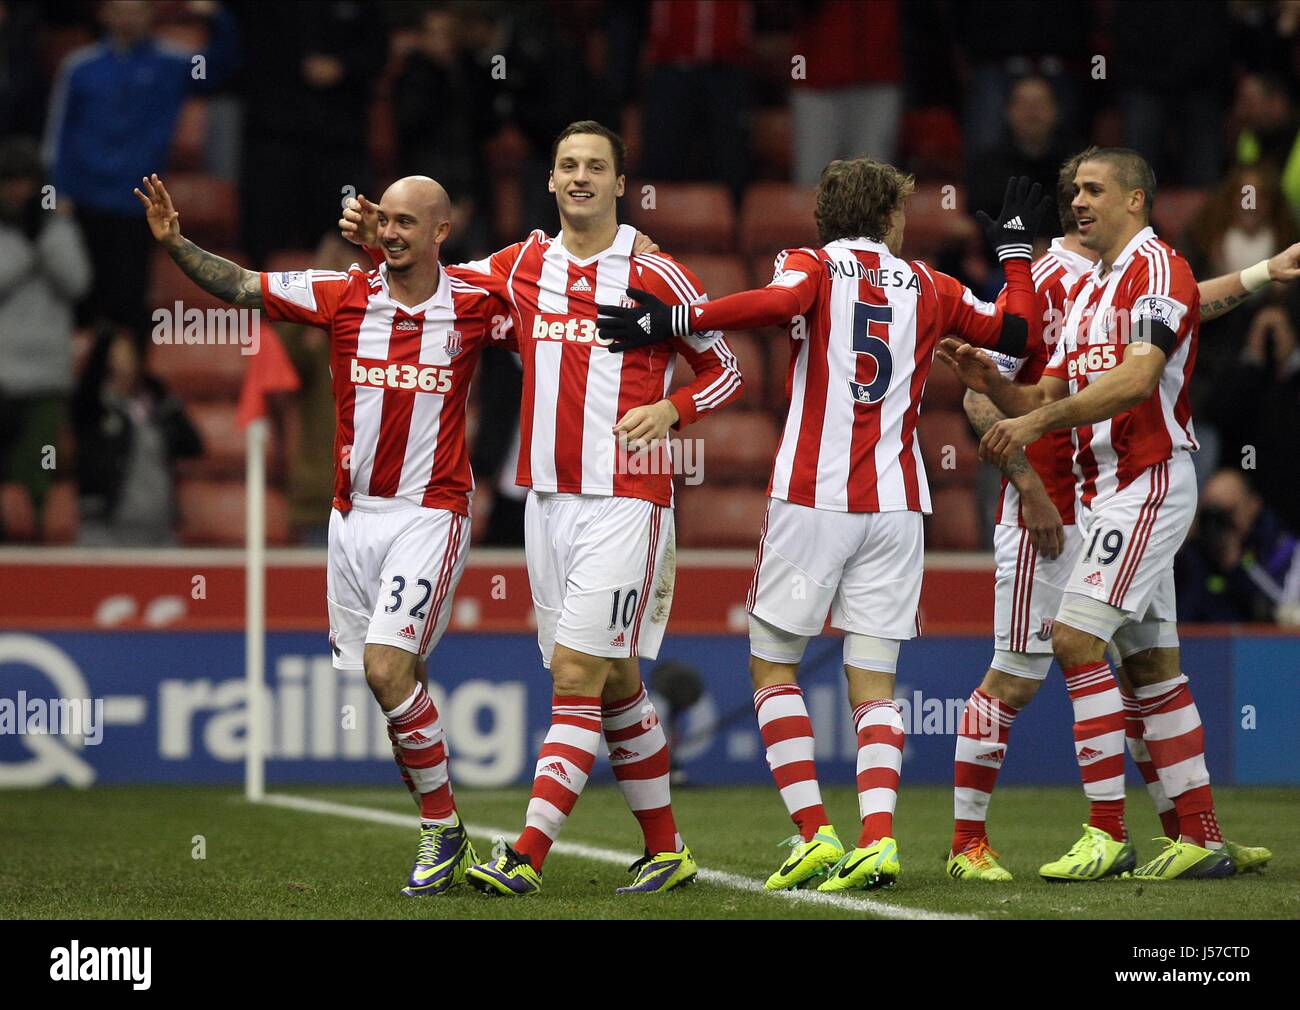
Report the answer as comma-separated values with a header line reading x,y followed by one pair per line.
x,y
390,671
1011,689
1073,647
766,673
577,673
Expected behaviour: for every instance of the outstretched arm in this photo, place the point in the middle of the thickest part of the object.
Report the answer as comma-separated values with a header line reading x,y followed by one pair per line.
x,y
1221,295
228,281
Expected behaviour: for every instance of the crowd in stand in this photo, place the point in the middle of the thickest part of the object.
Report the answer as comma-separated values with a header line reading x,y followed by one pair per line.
x,y
263,115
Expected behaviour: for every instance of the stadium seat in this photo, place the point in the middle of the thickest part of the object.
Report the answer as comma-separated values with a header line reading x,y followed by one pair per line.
x,y
776,216
720,274
223,442
739,445
60,520
686,216
936,217
955,524
752,361
943,390
212,513
720,516
948,448
209,207
199,371
1174,212
189,142
770,143
17,514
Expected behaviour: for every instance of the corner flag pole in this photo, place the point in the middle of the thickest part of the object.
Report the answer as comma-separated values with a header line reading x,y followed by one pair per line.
x,y
255,609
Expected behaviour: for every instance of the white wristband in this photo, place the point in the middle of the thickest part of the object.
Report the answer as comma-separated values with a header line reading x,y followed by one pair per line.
x,y
1256,277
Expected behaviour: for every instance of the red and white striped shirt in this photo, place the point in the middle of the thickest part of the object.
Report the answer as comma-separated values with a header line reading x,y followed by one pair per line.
x,y
1052,456
575,390
862,339
401,375
1149,281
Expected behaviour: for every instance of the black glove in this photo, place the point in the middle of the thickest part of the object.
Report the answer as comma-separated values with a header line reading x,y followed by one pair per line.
x,y
651,322
1012,234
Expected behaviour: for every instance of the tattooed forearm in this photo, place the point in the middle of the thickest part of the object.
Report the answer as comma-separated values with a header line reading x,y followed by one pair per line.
x,y
983,414
1217,307
228,281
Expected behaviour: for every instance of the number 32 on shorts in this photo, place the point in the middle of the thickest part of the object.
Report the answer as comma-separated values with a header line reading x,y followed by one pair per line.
x,y
1107,545
399,587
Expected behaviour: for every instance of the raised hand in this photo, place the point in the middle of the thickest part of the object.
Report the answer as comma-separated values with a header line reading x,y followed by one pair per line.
x,y
1023,206
164,221
1285,266
360,221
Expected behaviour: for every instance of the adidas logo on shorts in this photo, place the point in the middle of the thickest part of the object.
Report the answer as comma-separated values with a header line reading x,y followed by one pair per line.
x,y
617,641
1094,579
407,632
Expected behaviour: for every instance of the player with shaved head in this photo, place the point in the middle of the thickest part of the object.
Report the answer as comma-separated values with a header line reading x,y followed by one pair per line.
x,y
404,340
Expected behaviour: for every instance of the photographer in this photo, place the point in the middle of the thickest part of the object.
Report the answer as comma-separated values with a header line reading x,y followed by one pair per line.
x,y
44,270
1241,563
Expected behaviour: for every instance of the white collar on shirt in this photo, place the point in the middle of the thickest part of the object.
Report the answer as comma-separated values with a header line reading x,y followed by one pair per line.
x,y
868,244
1078,263
624,239
1126,254
441,297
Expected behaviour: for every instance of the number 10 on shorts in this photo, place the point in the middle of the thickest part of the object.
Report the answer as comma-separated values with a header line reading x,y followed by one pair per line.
x,y
624,608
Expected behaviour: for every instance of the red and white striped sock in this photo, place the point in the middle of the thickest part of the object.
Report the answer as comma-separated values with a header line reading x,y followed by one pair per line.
x,y
401,767
788,736
981,749
880,761
420,741
1137,750
563,766
1176,740
638,752
1099,743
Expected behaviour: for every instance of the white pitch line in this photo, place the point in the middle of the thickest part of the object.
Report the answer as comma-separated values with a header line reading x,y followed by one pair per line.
x,y
862,905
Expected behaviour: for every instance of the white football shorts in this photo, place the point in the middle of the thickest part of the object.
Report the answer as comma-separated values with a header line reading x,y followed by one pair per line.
x,y
602,571
393,568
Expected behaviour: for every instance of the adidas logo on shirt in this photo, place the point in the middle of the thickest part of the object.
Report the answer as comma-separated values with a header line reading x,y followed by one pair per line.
x,y
1015,224
407,632
406,326
580,286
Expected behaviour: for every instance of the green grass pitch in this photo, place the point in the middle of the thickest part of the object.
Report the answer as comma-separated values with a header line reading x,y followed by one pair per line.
x,y
119,852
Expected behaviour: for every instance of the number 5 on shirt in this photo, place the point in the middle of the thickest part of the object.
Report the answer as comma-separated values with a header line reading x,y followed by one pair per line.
x,y
870,333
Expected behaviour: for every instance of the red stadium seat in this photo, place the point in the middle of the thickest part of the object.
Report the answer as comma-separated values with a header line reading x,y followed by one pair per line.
x,y
190,139
686,216
948,448
212,513
61,519
943,390
17,514
752,362
936,217
720,517
199,371
1174,212
223,442
776,216
720,274
738,445
771,143
209,207
955,524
